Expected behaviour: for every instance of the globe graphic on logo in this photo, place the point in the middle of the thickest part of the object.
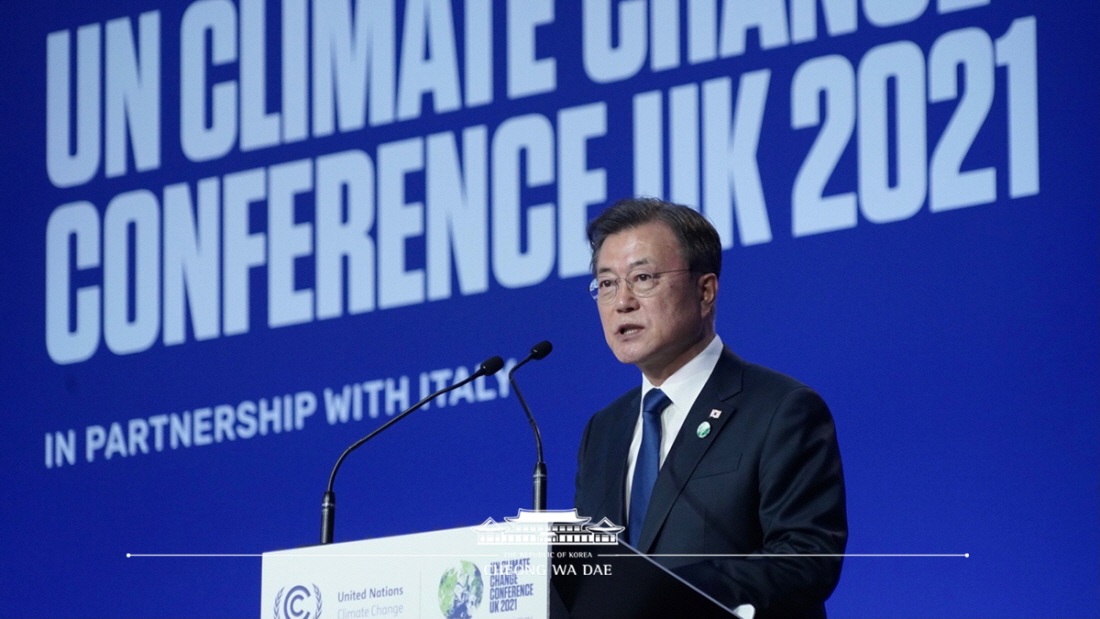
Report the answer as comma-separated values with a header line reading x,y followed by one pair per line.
x,y
460,590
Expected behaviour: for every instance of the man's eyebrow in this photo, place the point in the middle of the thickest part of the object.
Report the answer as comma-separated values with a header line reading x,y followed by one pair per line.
x,y
631,266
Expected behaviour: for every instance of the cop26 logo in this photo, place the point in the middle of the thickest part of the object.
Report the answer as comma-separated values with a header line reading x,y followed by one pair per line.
x,y
295,604
460,590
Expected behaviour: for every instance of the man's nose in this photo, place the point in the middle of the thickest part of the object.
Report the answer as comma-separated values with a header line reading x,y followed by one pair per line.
x,y
625,301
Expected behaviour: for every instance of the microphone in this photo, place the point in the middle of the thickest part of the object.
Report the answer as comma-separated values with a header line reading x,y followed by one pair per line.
x,y
538,351
490,366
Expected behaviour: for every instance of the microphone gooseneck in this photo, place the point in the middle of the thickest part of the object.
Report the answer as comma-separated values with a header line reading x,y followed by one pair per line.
x,y
538,351
490,366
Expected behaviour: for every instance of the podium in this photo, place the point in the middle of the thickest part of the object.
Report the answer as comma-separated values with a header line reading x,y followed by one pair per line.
x,y
537,565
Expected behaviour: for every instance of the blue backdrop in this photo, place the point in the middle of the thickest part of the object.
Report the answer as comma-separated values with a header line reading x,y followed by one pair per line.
x,y
240,235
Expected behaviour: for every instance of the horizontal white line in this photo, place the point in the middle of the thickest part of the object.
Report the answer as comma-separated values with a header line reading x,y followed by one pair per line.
x,y
134,555
965,555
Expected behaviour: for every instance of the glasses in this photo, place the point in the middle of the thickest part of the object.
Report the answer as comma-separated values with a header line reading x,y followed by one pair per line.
x,y
642,284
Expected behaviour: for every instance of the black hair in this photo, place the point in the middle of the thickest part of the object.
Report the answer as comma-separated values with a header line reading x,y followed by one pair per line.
x,y
699,243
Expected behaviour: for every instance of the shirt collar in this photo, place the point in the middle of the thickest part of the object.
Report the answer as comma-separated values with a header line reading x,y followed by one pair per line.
x,y
685,384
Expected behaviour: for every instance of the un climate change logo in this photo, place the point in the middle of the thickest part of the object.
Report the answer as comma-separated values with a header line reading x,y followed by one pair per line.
x,y
460,590
295,604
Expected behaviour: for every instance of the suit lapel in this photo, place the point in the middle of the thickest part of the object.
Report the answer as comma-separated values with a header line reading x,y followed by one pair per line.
x,y
688,449
623,435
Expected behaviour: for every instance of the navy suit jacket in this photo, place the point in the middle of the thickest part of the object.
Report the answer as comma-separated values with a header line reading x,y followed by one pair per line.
x,y
767,479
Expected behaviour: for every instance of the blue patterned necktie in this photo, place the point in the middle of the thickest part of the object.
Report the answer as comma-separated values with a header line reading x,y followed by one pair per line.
x,y
648,462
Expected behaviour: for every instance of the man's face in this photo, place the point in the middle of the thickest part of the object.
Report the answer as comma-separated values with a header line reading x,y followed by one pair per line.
x,y
661,332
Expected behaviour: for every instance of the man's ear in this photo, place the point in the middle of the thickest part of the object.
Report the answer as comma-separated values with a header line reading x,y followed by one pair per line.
x,y
708,291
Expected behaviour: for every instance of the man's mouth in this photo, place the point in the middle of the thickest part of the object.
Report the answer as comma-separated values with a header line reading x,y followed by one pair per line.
x,y
629,329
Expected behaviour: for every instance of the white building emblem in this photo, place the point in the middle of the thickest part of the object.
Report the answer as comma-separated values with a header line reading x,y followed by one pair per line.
x,y
558,526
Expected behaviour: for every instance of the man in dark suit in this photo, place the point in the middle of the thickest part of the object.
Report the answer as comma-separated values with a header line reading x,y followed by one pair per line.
x,y
711,455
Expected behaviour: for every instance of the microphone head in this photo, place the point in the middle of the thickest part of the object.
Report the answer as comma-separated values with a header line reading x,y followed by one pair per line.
x,y
540,350
491,366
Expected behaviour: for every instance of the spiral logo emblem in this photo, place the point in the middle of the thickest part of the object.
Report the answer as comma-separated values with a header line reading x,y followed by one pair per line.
x,y
296,604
